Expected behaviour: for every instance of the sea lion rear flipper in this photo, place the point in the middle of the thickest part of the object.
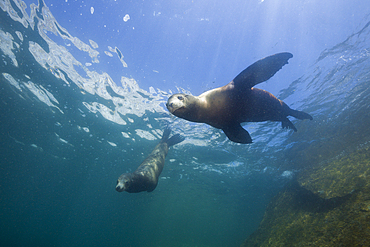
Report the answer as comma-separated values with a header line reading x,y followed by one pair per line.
x,y
261,71
237,133
166,134
286,124
175,139
300,114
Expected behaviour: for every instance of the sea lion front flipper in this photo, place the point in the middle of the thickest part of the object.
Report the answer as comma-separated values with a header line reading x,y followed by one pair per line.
x,y
237,133
261,71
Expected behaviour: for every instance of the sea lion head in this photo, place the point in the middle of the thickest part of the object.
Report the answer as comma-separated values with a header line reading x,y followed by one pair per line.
x,y
124,182
176,102
183,106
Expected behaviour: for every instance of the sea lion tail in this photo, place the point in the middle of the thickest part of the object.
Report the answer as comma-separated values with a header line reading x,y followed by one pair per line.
x,y
300,114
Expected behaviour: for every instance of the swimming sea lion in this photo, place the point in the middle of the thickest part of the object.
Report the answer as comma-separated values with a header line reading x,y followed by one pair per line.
x,y
237,102
145,178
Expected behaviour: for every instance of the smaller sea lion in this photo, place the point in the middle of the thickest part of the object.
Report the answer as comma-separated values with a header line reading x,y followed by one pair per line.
x,y
237,102
145,178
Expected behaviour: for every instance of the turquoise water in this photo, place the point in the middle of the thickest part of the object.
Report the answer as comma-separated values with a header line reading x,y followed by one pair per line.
x,y
68,131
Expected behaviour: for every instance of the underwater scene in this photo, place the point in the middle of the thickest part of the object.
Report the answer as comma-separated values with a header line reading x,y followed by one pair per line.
x,y
84,98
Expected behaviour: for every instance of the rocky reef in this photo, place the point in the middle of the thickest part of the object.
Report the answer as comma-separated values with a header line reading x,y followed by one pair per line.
x,y
326,205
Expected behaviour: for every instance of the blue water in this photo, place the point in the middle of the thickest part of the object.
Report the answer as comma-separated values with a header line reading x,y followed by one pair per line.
x,y
74,117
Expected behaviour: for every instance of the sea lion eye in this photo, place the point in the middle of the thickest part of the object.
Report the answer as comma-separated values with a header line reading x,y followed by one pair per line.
x,y
180,97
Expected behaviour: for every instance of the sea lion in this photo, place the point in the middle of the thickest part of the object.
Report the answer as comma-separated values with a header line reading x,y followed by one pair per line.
x,y
237,102
145,178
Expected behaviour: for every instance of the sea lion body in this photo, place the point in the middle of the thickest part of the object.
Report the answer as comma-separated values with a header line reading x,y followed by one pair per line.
x,y
145,177
237,102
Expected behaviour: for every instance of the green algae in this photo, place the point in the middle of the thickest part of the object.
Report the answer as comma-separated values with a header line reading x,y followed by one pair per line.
x,y
339,177
327,206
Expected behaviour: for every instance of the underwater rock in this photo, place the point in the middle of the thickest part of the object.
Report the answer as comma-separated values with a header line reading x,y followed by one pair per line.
x,y
340,176
339,215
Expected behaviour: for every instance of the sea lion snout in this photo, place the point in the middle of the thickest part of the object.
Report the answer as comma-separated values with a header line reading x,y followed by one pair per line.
x,y
123,182
119,187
